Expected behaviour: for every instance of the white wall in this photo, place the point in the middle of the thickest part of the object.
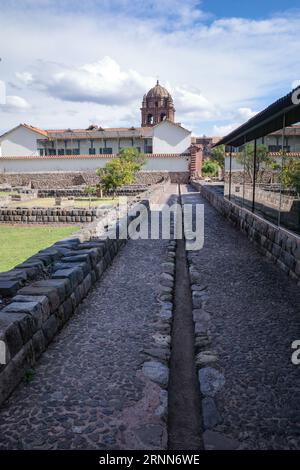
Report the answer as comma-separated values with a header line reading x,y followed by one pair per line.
x,y
167,164
20,141
48,164
44,164
170,138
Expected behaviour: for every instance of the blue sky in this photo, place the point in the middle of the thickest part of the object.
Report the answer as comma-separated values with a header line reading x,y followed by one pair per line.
x,y
68,64
255,9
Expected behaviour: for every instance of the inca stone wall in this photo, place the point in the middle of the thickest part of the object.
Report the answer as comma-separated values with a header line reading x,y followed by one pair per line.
x,y
47,216
279,245
42,293
63,180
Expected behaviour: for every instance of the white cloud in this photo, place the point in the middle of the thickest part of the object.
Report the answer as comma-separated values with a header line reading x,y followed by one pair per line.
x,y
14,104
100,82
221,131
100,63
25,78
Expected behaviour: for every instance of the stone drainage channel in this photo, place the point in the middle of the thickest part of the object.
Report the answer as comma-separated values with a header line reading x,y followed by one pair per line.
x,y
184,417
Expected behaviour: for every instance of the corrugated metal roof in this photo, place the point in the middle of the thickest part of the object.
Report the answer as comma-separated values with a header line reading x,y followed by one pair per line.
x,y
267,121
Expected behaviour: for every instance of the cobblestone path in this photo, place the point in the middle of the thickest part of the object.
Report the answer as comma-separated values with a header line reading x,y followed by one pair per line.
x,y
88,391
255,316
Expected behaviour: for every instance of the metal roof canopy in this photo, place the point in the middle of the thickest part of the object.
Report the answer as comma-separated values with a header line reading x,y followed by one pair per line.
x,y
282,112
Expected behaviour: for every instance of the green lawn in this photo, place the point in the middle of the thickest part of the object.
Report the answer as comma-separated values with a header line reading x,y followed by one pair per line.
x,y
6,193
19,243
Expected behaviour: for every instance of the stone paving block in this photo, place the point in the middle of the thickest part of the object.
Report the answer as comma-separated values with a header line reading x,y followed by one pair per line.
x,y
78,258
13,373
211,381
38,343
33,307
8,288
75,275
93,253
26,322
49,291
50,328
14,274
157,372
62,286
41,299
211,415
10,333
87,284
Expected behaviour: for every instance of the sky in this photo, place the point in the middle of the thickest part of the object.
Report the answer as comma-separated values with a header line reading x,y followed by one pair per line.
x,y
69,64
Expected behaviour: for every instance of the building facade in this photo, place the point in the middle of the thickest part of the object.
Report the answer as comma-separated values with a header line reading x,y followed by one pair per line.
x,y
158,134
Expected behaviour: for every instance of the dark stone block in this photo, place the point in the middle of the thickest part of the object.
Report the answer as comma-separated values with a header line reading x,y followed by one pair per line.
x,y
49,291
26,323
38,343
10,333
33,308
50,328
75,275
8,288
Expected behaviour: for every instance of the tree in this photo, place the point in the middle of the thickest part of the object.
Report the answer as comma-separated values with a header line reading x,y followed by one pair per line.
x,y
120,170
218,155
290,176
263,161
90,191
132,156
209,168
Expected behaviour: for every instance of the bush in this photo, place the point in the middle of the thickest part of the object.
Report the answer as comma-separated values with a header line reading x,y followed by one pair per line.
x,y
210,168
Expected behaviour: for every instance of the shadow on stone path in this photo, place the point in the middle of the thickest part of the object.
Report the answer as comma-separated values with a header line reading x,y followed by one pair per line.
x,y
255,316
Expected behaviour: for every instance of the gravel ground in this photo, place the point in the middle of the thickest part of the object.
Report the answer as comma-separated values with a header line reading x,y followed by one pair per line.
x,y
88,391
255,317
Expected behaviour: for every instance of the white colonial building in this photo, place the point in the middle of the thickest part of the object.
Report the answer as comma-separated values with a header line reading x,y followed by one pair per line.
x,y
165,142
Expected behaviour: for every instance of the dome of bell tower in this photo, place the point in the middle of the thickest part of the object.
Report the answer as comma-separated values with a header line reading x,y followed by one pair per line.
x,y
157,106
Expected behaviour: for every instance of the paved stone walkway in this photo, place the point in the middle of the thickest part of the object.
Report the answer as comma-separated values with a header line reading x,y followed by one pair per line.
x,y
88,391
255,316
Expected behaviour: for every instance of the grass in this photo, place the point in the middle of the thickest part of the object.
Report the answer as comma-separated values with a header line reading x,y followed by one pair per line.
x,y
50,202
17,243
6,193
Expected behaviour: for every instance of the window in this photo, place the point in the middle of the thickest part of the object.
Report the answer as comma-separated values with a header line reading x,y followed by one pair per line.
x,y
61,151
92,151
107,150
278,148
150,119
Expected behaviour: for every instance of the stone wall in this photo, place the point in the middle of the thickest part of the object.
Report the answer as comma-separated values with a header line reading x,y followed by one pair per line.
x,y
39,309
63,180
47,216
279,245
40,295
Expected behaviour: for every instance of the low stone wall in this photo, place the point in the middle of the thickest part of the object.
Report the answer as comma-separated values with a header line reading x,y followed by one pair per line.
x,y
279,245
39,309
47,216
65,179
41,294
